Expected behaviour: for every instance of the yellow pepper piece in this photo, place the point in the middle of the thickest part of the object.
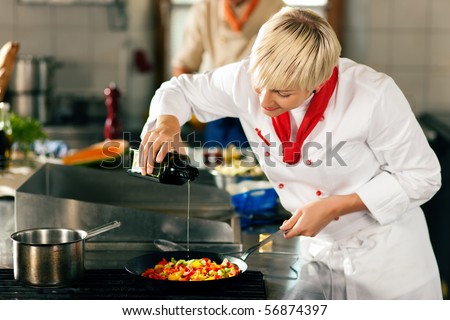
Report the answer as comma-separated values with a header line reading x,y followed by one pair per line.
x,y
175,276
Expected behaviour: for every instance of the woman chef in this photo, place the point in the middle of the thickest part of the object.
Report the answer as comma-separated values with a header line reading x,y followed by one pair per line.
x,y
337,140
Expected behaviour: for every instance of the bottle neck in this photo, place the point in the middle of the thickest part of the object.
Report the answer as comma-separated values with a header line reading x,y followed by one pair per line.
x,y
4,119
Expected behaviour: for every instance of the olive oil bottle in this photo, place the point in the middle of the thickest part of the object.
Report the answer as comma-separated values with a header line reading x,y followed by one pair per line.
x,y
174,169
5,137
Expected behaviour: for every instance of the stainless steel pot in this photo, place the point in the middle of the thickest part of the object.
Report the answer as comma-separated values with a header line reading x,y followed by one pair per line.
x,y
32,74
51,257
36,105
31,87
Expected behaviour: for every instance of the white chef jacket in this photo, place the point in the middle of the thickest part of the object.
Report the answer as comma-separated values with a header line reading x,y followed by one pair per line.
x,y
368,142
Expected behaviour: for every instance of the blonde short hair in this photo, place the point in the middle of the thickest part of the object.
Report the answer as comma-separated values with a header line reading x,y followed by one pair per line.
x,y
296,49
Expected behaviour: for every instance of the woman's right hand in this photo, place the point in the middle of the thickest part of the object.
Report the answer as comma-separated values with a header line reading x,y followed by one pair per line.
x,y
158,142
310,219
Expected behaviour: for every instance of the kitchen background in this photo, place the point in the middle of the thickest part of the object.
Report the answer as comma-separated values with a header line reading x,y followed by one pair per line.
x,y
96,42
130,43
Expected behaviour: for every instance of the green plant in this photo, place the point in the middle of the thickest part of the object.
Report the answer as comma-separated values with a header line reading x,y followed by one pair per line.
x,y
26,130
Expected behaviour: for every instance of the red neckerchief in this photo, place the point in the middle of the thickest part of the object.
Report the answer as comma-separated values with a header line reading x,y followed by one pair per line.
x,y
282,123
235,23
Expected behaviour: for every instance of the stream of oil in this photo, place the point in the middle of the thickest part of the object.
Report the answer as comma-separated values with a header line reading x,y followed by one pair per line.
x,y
188,211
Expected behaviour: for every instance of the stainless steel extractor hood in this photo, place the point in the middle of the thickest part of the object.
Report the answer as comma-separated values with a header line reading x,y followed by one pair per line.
x,y
83,198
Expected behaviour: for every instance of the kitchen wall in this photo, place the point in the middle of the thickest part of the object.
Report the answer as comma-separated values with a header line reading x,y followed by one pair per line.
x,y
409,40
93,47
78,36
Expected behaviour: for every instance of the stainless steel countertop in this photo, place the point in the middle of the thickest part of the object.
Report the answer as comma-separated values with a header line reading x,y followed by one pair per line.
x,y
6,228
286,275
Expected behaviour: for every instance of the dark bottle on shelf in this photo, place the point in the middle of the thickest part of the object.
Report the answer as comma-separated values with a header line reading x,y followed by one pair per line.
x,y
174,169
5,136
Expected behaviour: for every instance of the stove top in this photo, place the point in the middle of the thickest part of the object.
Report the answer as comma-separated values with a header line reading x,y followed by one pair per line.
x,y
118,284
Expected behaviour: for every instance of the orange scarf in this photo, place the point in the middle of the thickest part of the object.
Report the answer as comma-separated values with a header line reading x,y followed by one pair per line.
x,y
235,23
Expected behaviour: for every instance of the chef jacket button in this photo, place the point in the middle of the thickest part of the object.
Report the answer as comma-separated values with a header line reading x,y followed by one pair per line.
x,y
280,186
322,118
318,193
308,162
267,153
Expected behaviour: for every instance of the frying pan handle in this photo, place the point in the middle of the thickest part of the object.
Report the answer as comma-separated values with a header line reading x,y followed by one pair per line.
x,y
261,243
96,231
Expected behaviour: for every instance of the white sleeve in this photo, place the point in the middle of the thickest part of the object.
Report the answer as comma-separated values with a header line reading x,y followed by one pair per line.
x,y
410,171
209,96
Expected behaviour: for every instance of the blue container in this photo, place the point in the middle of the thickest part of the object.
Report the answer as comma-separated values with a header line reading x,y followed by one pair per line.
x,y
256,200
248,219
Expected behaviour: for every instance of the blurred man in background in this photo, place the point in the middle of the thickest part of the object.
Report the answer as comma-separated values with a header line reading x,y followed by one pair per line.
x,y
219,32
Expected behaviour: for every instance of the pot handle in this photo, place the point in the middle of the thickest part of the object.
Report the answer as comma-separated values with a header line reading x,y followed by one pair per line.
x,y
96,231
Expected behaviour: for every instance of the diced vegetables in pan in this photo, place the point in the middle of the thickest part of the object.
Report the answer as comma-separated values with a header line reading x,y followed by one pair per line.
x,y
191,270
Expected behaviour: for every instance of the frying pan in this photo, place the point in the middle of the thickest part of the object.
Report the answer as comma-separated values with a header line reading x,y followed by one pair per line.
x,y
137,265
